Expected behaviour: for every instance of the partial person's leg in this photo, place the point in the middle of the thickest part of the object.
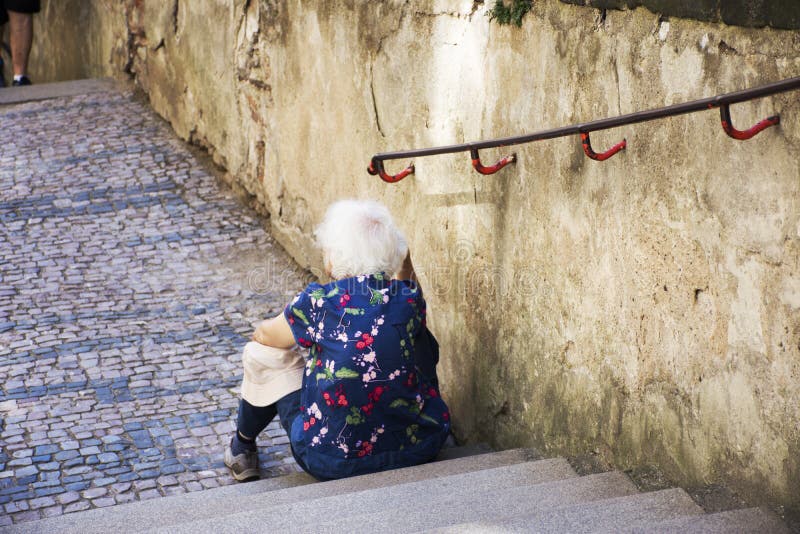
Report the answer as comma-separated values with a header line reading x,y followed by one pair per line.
x,y
251,421
241,454
289,410
21,39
3,20
268,374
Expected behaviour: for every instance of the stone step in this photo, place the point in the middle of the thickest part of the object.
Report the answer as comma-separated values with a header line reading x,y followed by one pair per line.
x,y
241,497
608,515
462,451
746,520
428,504
155,512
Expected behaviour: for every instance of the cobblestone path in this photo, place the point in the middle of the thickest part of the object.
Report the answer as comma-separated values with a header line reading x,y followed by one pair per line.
x,y
129,281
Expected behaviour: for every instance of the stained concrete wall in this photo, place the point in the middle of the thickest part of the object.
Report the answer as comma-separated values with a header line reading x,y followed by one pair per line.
x,y
76,39
646,308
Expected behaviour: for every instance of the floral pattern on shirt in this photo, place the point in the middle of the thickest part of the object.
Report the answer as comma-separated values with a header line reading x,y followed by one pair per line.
x,y
362,393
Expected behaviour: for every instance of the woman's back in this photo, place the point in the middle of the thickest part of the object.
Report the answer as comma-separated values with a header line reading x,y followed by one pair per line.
x,y
365,405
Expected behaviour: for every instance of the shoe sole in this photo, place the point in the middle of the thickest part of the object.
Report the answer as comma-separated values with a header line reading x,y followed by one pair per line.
x,y
247,474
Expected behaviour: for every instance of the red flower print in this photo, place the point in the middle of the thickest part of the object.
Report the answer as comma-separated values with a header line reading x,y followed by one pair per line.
x,y
312,421
411,381
306,426
367,408
328,399
341,399
375,394
432,392
366,448
344,300
291,320
303,342
446,416
366,341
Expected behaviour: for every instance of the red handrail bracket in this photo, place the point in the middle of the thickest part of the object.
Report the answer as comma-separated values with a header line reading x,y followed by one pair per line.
x,y
741,135
376,167
502,162
602,156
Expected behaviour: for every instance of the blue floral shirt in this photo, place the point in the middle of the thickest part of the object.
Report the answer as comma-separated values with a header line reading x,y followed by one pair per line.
x,y
365,405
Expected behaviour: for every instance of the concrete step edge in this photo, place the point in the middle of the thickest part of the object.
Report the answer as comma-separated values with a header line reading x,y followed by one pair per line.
x,y
326,502
605,515
236,497
472,449
417,509
744,520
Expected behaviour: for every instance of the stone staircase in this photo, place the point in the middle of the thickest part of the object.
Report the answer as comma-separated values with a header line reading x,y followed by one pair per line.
x,y
466,490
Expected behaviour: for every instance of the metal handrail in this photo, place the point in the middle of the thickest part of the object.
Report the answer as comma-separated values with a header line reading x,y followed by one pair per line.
x,y
723,102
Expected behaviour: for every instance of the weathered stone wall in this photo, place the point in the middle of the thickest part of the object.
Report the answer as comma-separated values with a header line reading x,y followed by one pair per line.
x,y
75,39
647,307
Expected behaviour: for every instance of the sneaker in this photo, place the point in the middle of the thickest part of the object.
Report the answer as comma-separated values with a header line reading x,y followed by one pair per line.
x,y
243,466
22,81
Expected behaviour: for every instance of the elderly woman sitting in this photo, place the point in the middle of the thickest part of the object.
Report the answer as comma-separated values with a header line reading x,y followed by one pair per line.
x,y
364,397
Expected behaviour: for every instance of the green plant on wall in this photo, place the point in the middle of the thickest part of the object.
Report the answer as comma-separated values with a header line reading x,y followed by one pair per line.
x,y
506,14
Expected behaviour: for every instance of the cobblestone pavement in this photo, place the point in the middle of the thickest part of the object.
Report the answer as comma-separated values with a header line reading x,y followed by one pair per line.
x,y
129,281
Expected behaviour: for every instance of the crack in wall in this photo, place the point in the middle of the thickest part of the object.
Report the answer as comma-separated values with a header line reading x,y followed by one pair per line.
x,y
378,50
175,11
616,78
136,36
374,101
476,5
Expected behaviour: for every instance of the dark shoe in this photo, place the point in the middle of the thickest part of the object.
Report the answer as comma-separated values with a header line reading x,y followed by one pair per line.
x,y
22,81
243,466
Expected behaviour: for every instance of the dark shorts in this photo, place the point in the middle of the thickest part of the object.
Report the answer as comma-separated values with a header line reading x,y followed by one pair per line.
x,y
18,6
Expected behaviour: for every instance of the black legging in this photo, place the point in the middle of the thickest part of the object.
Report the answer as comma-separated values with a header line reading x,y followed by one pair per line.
x,y
253,420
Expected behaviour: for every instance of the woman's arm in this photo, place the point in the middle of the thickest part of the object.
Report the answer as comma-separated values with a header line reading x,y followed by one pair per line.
x,y
406,272
274,332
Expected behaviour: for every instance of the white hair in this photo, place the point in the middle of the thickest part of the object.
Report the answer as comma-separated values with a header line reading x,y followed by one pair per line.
x,y
359,237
